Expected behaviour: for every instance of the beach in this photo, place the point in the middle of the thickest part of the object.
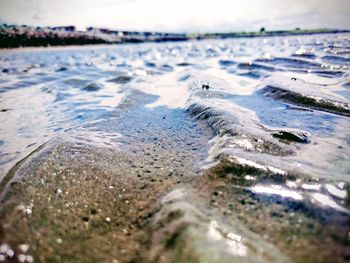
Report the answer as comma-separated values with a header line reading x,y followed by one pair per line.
x,y
233,150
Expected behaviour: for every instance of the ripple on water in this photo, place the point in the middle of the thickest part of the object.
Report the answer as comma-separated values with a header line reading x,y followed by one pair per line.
x,y
278,162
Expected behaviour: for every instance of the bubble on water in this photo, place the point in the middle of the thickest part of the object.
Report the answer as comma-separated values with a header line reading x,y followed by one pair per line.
x,y
21,258
4,248
10,253
29,258
23,247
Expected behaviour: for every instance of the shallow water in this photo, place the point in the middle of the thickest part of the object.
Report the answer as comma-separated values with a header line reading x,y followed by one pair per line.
x,y
278,108
46,91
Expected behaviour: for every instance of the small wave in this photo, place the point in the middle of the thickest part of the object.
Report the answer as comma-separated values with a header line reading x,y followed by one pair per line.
x,y
255,66
184,64
304,54
227,63
250,74
293,190
328,73
239,128
121,79
308,101
92,87
299,137
291,63
336,59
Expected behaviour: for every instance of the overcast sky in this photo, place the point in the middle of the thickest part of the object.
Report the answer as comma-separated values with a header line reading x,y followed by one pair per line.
x,y
179,15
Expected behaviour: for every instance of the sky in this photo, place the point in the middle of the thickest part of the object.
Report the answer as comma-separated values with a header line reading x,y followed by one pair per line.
x,y
179,15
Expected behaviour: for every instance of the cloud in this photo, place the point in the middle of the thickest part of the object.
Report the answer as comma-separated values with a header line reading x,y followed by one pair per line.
x,y
180,15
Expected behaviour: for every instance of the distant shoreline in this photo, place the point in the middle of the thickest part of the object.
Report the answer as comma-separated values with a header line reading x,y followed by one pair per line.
x,y
25,36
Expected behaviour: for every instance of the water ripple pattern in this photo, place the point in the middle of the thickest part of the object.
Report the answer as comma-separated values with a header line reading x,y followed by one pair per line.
x,y
286,83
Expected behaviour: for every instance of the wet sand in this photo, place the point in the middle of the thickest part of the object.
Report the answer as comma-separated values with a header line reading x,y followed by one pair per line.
x,y
99,201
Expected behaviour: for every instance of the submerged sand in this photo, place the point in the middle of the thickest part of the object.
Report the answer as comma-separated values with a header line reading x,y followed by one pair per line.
x,y
74,201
